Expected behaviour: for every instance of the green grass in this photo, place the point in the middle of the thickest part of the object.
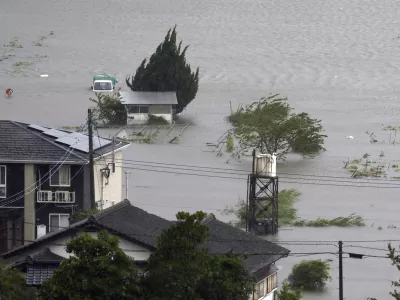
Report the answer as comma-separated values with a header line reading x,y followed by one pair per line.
x,y
230,146
23,64
14,44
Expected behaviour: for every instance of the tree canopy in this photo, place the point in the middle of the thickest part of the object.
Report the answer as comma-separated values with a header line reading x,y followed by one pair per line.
x,y
12,285
181,267
99,269
271,126
109,109
167,70
309,275
288,293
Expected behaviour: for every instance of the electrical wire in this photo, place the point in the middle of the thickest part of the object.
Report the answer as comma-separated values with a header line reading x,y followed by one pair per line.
x,y
246,172
283,181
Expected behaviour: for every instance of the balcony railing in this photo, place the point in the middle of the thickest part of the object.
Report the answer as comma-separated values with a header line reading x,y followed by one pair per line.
x,y
55,197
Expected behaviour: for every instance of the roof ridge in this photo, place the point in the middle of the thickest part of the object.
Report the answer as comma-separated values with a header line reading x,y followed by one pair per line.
x,y
114,208
45,139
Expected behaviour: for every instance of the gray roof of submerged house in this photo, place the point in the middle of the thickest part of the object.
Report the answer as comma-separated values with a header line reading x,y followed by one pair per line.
x,y
143,228
22,142
148,98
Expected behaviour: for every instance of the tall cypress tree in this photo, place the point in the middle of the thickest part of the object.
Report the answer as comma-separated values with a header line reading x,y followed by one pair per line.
x,y
167,70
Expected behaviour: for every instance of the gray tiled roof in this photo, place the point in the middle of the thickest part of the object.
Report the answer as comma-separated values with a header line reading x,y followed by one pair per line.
x,y
148,98
20,143
143,227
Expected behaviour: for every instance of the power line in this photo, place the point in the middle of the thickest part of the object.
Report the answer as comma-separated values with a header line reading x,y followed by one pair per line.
x,y
284,181
246,172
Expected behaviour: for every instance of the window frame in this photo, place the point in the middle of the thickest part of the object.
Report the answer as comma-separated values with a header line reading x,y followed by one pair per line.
x,y
139,107
58,170
5,181
272,282
59,218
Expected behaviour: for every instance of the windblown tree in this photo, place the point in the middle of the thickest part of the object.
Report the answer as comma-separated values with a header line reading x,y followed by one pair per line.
x,y
98,270
109,109
166,71
181,268
12,285
271,126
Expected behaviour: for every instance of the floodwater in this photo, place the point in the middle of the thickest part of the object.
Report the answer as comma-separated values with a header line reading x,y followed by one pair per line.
x,y
338,61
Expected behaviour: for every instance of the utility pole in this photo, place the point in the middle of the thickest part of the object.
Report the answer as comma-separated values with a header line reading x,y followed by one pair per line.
x,y
91,161
126,184
341,270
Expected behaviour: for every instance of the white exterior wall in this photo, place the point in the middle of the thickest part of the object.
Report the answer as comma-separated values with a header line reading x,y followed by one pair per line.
x,y
142,118
111,192
58,247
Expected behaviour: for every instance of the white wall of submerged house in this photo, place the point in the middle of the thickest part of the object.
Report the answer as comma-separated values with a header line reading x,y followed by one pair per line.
x,y
164,111
108,189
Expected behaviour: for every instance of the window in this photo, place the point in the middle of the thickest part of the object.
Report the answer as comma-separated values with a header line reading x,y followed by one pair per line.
x,y
60,176
138,109
259,290
3,182
58,221
272,282
102,86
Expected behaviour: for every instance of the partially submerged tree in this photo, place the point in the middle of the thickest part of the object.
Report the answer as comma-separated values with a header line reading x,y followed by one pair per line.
x,y
98,270
167,70
310,275
109,109
286,212
181,267
13,286
271,126
288,293
395,258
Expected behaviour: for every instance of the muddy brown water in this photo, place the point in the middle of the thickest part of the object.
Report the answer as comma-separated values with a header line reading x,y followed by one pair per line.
x,y
339,61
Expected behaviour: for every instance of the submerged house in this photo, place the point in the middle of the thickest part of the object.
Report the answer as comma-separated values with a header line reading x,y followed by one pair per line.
x,y
139,105
44,178
138,231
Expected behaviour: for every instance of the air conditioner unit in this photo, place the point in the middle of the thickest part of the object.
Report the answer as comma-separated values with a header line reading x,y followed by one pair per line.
x,y
62,196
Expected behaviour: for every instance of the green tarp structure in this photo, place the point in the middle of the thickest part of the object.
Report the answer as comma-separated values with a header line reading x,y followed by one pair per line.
x,y
110,77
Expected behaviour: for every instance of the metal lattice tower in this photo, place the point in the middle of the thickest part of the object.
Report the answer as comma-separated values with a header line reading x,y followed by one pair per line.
x,y
262,203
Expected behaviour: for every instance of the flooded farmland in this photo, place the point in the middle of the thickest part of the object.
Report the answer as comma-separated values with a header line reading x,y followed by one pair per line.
x,y
338,61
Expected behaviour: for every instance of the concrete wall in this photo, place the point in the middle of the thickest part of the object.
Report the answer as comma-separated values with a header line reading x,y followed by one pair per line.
x,y
109,190
29,203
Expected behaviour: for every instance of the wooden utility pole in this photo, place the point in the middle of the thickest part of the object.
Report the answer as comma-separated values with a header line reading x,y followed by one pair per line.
x,y
126,184
341,270
91,161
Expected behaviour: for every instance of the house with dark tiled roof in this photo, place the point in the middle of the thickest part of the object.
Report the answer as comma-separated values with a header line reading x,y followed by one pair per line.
x,y
44,178
138,231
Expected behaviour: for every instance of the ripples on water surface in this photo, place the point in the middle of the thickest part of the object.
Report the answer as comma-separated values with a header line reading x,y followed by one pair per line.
x,y
339,61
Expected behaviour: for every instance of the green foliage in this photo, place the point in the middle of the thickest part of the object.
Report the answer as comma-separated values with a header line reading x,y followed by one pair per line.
x,y
167,70
98,270
181,269
156,120
12,285
109,109
230,145
395,258
286,212
270,126
82,214
350,221
288,293
310,275
226,279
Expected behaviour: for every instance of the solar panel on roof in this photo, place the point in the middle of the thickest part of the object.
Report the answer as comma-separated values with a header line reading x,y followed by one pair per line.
x,y
100,142
67,140
82,146
37,127
55,133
